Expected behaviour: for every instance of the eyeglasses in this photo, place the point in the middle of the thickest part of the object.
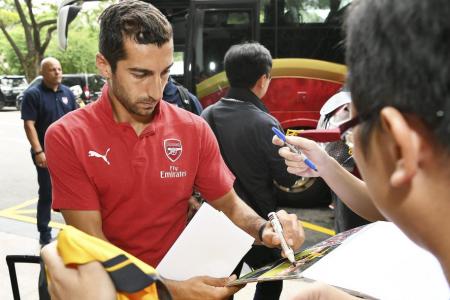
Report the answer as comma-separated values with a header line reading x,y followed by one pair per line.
x,y
342,132
346,132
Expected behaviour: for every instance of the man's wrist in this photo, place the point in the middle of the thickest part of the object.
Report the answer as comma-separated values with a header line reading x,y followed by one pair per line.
x,y
38,152
260,232
173,287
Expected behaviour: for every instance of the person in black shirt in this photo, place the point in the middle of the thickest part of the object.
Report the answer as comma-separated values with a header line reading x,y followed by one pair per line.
x,y
42,105
242,125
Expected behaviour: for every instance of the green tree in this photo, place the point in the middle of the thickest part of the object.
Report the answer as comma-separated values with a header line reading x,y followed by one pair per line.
x,y
37,31
79,57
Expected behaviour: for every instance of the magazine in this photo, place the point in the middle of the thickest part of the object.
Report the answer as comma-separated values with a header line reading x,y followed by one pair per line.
x,y
377,259
283,268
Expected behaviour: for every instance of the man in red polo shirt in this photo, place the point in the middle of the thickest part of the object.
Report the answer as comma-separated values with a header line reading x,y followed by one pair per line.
x,y
124,167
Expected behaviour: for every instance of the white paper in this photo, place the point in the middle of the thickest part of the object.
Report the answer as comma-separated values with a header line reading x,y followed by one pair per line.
x,y
382,262
210,245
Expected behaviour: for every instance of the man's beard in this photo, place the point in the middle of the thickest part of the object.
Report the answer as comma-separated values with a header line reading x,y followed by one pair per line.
x,y
130,105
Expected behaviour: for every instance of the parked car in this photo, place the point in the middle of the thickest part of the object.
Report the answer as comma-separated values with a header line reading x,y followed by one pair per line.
x,y
10,87
91,86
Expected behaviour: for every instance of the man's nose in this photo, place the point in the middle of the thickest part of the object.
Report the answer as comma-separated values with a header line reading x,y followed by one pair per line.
x,y
155,89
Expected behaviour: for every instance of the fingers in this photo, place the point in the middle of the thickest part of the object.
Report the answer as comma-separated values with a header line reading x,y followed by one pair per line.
x,y
57,271
277,141
41,162
288,155
193,203
218,282
91,273
51,258
296,165
220,290
292,231
301,143
321,291
88,281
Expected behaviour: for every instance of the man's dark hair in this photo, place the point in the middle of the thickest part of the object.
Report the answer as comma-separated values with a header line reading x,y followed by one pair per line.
x,y
136,20
398,54
246,63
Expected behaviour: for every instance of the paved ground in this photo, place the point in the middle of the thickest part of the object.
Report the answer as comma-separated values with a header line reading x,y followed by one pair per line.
x,y
18,233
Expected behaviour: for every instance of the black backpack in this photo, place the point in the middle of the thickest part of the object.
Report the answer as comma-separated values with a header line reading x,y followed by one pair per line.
x,y
185,99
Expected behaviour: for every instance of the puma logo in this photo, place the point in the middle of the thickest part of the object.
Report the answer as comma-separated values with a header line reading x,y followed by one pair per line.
x,y
95,154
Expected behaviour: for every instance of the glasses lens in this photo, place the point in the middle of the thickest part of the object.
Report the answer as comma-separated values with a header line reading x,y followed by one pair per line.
x,y
349,141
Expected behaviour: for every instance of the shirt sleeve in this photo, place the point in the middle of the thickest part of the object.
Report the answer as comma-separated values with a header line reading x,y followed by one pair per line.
x,y
71,187
213,179
30,106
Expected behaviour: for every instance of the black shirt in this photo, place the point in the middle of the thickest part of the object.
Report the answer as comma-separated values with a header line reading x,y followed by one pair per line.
x,y
243,128
44,106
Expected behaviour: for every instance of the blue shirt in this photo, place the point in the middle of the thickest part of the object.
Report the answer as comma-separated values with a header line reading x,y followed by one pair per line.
x,y
44,106
171,95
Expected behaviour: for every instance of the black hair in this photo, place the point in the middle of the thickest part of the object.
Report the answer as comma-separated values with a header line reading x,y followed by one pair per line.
x,y
398,54
136,20
246,63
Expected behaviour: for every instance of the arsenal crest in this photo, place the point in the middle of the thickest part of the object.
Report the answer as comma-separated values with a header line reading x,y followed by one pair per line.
x,y
173,149
65,100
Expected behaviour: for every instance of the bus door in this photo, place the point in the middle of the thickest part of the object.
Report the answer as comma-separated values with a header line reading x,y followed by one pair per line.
x,y
213,27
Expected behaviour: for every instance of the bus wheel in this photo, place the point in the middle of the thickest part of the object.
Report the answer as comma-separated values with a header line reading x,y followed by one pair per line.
x,y
305,193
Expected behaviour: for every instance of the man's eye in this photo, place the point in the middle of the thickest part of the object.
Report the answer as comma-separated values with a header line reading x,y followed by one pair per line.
x,y
139,75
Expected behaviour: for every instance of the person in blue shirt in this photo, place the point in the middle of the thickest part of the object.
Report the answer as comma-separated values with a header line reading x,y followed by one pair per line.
x,y
176,94
42,105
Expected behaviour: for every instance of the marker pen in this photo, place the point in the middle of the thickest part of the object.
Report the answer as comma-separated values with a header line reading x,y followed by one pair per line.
x,y
276,225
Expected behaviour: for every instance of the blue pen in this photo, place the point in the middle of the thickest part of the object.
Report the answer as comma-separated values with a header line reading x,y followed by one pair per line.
x,y
294,149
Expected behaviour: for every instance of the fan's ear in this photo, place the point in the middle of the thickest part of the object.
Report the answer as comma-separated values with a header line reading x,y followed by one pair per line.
x,y
407,143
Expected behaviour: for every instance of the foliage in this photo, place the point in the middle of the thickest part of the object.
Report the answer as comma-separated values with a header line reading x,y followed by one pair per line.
x,y
9,63
80,54
83,38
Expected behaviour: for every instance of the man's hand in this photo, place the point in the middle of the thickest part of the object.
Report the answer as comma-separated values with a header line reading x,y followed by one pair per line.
x,y
321,291
293,232
202,287
41,160
89,281
193,207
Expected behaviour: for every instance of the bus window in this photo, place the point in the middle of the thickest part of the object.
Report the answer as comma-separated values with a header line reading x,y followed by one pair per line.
x,y
303,28
178,64
216,31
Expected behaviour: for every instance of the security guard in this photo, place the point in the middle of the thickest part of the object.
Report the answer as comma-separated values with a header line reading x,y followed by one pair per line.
x,y
42,105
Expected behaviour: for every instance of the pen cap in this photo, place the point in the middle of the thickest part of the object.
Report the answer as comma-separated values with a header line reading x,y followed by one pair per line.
x,y
272,216
273,219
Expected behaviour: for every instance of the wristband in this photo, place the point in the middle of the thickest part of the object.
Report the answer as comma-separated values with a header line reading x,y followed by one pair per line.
x,y
38,152
260,232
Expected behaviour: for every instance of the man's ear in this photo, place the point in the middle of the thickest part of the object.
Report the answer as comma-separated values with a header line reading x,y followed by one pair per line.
x,y
258,88
260,82
407,142
103,66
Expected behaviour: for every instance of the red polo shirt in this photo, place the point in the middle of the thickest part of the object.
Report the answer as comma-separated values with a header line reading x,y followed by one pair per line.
x,y
140,184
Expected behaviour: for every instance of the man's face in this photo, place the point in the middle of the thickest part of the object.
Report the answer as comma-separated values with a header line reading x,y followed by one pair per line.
x,y
52,72
140,78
